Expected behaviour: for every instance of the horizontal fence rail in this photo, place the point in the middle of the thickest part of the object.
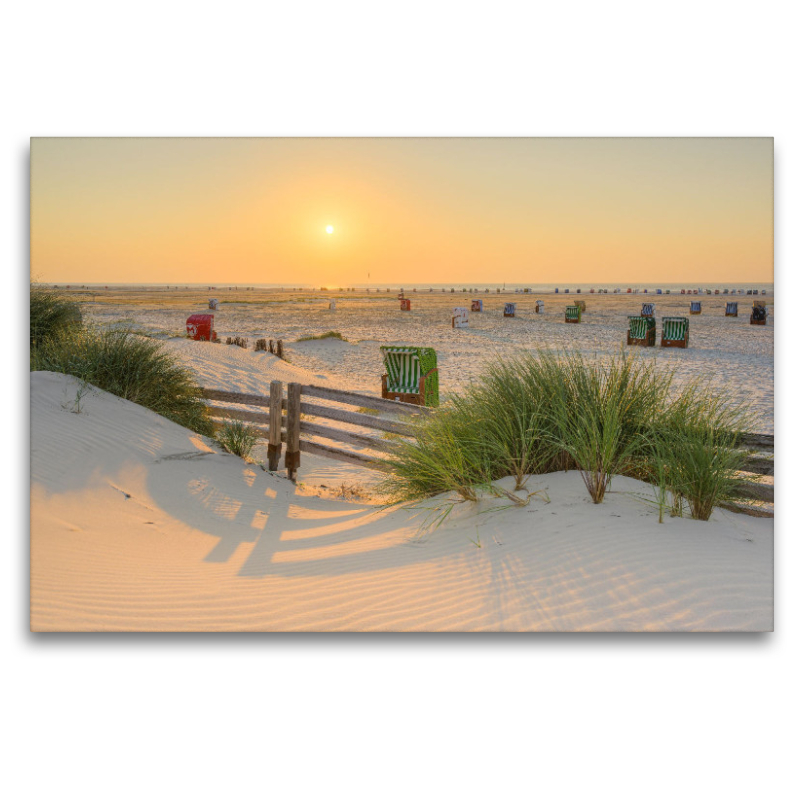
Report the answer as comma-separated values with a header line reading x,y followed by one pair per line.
x,y
759,462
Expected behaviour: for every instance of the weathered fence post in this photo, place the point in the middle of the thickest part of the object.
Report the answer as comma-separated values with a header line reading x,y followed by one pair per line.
x,y
274,446
293,429
279,349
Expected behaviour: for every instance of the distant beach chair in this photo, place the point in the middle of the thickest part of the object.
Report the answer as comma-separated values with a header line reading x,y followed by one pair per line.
x,y
460,318
405,304
731,309
648,309
510,310
642,331
477,305
758,316
695,307
674,332
213,305
539,308
572,314
411,375
332,305
200,327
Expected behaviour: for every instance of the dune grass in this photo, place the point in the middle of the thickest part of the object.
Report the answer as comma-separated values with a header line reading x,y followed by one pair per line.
x,y
237,438
328,335
52,314
128,366
538,413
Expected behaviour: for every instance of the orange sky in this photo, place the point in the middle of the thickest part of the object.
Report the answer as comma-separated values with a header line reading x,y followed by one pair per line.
x,y
403,210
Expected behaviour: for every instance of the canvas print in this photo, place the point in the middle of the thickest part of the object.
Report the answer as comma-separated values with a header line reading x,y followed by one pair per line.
x,y
402,384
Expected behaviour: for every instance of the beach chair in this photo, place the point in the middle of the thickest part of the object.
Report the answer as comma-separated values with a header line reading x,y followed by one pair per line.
x,y
648,309
642,331
758,316
405,304
477,306
539,307
731,309
213,304
332,305
510,310
581,305
674,332
572,314
695,307
200,327
411,375
460,318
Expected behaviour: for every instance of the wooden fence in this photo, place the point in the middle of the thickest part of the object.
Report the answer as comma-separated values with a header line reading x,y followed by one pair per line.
x,y
294,422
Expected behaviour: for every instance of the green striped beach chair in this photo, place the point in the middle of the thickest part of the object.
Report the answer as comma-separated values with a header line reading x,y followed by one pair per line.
x,y
642,331
411,375
572,314
674,332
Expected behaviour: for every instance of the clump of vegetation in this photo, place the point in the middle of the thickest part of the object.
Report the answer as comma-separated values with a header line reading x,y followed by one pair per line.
x,y
328,335
52,314
536,414
128,366
237,438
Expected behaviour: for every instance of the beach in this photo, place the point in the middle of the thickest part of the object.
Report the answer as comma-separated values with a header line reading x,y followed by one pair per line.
x,y
139,524
728,351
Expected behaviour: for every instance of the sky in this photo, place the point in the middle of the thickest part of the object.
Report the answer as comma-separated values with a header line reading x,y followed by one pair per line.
x,y
402,210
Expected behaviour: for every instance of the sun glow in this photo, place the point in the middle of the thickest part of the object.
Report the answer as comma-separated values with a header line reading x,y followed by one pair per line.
x,y
329,228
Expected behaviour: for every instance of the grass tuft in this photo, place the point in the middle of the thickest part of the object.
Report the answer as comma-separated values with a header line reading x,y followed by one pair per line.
x,y
237,438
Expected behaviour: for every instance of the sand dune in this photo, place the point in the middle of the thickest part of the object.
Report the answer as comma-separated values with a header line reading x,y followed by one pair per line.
x,y
139,524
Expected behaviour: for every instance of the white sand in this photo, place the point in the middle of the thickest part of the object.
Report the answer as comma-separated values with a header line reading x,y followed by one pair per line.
x,y
139,524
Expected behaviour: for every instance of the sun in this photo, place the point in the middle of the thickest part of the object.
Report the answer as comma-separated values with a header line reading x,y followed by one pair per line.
x,y
329,228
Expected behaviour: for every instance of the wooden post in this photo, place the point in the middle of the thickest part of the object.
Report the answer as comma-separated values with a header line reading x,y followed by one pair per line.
x,y
274,446
292,459
279,349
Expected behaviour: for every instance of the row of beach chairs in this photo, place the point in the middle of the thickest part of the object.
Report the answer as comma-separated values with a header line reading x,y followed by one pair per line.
x,y
642,331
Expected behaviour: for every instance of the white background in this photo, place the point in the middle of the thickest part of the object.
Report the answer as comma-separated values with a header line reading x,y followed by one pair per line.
x,y
396,716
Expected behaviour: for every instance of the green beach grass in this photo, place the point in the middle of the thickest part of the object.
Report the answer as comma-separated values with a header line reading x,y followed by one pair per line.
x,y
537,413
